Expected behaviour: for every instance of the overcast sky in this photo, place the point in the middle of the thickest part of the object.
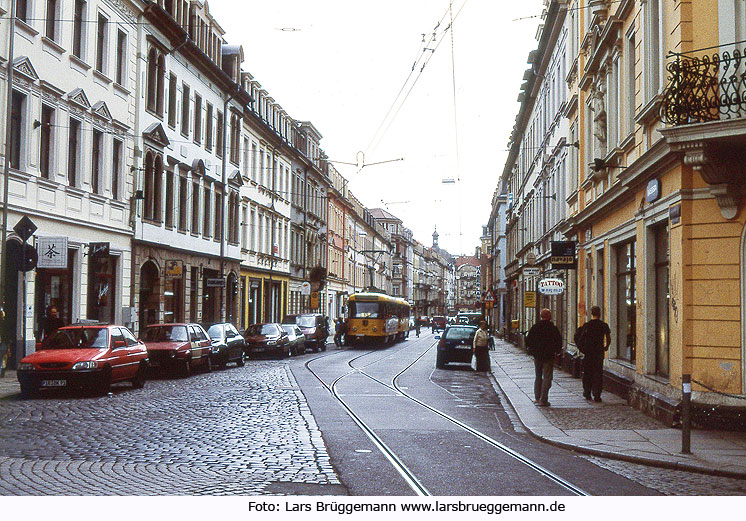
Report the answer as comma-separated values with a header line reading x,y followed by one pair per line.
x,y
341,63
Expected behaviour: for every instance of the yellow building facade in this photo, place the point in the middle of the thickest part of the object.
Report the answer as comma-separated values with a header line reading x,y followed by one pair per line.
x,y
657,207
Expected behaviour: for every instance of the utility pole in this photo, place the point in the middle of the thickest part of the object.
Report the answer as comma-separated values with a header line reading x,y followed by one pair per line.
x,y
6,170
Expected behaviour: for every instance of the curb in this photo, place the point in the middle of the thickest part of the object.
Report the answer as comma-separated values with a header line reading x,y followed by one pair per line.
x,y
669,465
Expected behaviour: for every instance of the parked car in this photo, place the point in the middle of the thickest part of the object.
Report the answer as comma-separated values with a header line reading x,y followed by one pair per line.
x,y
439,323
455,345
178,347
84,357
470,319
266,339
424,321
227,344
314,327
296,339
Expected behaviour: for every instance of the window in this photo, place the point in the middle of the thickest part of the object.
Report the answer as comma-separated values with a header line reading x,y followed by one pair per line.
x,y
22,10
195,207
102,32
206,209
157,191
148,187
116,168
73,159
185,109
79,28
653,48
96,162
169,199
662,300
152,94
121,72
153,175
17,131
235,138
219,136
218,228
50,25
46,142
183,200
208,127
626,301
630,94
172,100
197,118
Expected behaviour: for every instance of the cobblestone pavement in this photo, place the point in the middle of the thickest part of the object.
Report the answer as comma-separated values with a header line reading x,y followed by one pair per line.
x,y
673,482
235,431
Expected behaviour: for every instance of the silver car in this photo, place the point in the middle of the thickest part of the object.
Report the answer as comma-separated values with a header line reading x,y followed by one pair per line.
x,y
297,344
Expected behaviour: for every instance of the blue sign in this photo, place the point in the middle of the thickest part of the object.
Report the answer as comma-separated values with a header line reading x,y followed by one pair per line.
x,y
653,191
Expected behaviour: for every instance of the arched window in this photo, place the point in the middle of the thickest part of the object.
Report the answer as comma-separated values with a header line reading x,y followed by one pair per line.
x,y
152,80
157,183
161,75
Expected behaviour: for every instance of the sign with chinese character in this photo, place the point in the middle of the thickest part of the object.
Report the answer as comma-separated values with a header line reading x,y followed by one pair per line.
x,y
52,252
174,269
563,255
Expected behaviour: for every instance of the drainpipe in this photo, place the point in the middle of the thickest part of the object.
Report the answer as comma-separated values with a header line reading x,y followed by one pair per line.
x,y
224,183
305,232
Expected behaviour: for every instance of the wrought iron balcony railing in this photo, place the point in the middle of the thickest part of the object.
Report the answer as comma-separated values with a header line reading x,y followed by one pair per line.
x,y
705,88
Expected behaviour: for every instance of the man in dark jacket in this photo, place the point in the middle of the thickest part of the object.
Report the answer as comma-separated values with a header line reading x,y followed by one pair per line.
x,y
544,341
593,340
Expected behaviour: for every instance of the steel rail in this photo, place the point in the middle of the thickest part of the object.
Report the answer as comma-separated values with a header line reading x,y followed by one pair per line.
x,y
389,454
487,439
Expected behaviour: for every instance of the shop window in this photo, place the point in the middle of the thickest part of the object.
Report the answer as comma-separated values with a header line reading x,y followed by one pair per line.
x,y
101,288
662,300
626,301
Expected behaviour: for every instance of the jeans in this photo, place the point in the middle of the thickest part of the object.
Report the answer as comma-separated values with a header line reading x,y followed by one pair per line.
x,y
544,371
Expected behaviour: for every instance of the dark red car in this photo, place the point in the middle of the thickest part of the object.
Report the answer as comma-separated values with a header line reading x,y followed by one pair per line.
x,y
90,357
178,347
267,339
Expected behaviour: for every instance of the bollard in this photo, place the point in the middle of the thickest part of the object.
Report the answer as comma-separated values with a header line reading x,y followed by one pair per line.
x,y
686,420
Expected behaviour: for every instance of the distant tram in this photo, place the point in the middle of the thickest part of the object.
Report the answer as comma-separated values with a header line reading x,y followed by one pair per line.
x,y
376,318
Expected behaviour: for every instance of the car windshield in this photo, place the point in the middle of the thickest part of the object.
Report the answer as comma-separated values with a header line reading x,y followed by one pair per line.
x,y
307,321
215,332
459,333
78,338
263,329
289,329
165,334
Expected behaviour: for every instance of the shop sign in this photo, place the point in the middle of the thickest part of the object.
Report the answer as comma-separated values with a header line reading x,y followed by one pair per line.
x,y
529,299
530,272
305,289
216,282
551,286
52,252
314,300
674,213
531,258
563,255
653,191
98,249
174,269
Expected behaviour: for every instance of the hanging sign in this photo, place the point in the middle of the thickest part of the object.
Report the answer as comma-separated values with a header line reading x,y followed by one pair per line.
x,y
305,289
530,272
551,286
174,269
563,255
52,252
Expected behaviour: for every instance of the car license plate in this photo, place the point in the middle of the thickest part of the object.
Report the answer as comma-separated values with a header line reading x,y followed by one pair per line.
x,y
359,335
53,383
463,346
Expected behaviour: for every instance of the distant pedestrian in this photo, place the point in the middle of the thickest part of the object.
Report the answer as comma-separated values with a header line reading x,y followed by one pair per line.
x,y
480,347
593,340
417,327
544,341
339,331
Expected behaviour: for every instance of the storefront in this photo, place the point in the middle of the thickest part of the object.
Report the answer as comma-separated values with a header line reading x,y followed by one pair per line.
x,y
264,297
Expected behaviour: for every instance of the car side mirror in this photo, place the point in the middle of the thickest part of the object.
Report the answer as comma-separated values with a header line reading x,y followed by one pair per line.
x,y
118,344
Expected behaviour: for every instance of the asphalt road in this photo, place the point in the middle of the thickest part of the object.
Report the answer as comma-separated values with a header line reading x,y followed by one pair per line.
x,y
446,459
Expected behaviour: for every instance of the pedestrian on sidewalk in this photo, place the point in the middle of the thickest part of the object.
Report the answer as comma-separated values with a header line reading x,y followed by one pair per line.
x,y
544,341
417,326
480,347
593,340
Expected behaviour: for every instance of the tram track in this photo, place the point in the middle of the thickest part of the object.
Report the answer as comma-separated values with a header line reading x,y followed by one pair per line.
x,y
411,479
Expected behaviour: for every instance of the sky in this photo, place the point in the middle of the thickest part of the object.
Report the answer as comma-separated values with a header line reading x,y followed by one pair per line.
x,y
342,65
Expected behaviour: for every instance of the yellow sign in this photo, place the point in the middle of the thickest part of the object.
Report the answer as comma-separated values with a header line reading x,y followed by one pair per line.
x,y
488,304
314,300
529,299
515,324
174,269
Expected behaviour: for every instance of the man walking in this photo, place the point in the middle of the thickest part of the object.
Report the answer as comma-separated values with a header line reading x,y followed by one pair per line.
x,y
544,341
593,339
339,331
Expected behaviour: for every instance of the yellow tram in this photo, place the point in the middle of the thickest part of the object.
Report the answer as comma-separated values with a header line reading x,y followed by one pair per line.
x,y
376,318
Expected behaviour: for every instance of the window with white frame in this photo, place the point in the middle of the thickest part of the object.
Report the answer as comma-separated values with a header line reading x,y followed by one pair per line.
x,y
654,53
102,43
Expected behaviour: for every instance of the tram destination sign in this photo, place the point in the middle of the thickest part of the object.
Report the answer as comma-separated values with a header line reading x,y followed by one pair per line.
x,y
563,255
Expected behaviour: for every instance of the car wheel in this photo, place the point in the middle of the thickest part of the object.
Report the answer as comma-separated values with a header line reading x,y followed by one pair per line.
x,y
240,361
104,385
138,382
28,391
208,365
186,369
440,363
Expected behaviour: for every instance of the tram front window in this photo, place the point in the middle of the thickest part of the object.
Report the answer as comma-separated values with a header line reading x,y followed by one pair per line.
x,y
364,310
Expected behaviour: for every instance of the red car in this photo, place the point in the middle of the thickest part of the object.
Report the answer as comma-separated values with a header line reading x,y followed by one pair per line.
x,y
267,339
88,357
178,347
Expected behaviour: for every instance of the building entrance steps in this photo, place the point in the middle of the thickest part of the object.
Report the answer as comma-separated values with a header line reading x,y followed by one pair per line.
x,y
611,428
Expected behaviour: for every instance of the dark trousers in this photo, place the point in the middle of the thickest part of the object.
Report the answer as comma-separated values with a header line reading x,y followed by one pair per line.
x,y
483,358
593,374
338,339
544,372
